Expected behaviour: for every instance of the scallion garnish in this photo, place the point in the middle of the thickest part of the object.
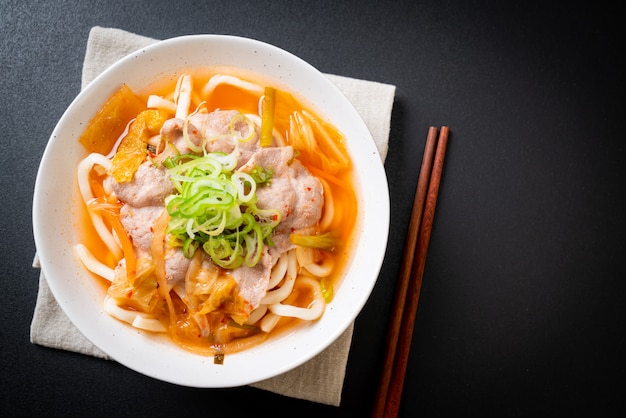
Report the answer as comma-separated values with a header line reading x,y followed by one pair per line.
x,y
215,208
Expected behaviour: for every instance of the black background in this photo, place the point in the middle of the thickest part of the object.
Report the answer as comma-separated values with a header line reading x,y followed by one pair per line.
x,y
522,306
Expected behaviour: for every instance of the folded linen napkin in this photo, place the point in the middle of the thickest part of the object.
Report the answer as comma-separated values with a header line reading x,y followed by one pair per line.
x,y
318,380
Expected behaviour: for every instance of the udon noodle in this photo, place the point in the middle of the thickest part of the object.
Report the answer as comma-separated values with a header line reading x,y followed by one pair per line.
x,y
220,210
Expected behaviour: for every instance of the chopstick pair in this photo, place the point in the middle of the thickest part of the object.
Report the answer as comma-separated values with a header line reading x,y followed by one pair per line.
x,y
406,298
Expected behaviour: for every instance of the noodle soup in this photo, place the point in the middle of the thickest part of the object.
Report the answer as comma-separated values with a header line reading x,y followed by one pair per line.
x,y
219,210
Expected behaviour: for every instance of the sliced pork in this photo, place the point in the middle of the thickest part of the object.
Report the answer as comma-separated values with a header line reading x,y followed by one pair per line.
x,y
138,223
298,195
253,281
176,265
221,130
149,186
227,131
172,132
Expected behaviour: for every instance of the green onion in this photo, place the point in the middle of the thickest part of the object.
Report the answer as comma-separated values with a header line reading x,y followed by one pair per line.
x,y
249,327
215,209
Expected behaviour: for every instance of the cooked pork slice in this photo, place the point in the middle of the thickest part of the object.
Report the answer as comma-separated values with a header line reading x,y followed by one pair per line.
x,y
246,149
138,223
227,131
176,265
298,195
309,195
149,186
276,158
222,130
253,281
172,132
215,127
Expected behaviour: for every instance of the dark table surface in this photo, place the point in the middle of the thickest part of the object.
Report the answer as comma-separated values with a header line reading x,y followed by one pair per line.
x,y
523,300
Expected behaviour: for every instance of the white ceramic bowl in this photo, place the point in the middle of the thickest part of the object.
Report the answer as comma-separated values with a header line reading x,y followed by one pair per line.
x,y
55,226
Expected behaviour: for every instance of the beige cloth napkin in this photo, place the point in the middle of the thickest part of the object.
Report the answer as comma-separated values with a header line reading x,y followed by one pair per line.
x,y
318,380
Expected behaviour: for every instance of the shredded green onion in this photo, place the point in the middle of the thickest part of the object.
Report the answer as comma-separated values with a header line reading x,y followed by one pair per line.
x,y
215,209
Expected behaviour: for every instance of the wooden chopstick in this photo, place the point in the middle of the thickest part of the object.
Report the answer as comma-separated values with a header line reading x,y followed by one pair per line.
x,y
402,319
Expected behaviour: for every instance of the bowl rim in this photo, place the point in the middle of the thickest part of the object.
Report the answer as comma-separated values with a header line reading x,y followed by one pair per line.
x,y
59,283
